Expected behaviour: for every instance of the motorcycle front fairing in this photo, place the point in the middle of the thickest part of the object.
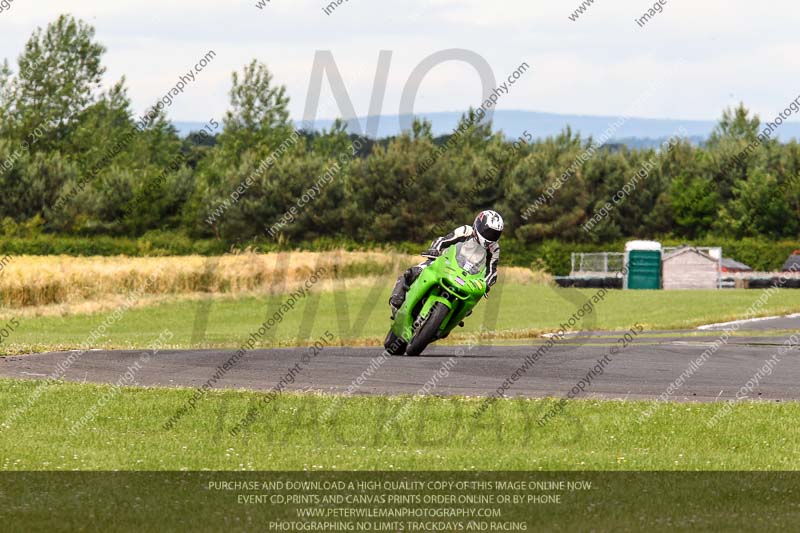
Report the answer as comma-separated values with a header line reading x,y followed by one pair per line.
x,y
446,282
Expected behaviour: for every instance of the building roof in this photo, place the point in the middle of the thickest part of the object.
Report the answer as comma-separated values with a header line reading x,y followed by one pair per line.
x,y
730,264
687,249
793,263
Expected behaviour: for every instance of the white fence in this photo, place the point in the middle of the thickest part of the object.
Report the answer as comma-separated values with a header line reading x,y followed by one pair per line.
x,y
598,264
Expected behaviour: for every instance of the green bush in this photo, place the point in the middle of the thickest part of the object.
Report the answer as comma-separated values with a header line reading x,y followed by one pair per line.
x,y
552,256
149,245
759,254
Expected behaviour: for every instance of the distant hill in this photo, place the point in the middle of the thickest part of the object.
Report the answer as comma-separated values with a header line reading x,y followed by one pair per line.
x,y
647,142
185,128
635,132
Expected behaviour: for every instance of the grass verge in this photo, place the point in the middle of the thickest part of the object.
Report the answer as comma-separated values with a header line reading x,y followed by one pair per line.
x,y
324,432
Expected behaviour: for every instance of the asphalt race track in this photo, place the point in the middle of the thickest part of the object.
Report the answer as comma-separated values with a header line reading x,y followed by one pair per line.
x,y
645,369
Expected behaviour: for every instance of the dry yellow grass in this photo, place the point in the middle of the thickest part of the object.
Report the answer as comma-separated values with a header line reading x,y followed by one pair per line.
x,y
40,280
525,276
48,285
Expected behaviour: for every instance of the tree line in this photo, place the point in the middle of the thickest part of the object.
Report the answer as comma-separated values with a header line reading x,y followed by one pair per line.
x,y
74,162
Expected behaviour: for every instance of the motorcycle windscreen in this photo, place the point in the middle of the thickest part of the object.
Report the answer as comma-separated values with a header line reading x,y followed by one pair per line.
x,y
471,256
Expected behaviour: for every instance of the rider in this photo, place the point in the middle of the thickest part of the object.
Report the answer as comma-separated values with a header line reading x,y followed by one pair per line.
x,y
486,229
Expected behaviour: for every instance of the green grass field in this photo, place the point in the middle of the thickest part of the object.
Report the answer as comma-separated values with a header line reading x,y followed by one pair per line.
x,y
294,432
361,315
316,432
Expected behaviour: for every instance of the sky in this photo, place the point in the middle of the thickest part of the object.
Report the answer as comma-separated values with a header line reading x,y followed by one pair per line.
x,y
704,55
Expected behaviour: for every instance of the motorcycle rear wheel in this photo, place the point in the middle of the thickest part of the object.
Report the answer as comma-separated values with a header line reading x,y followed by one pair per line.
x,y
393,344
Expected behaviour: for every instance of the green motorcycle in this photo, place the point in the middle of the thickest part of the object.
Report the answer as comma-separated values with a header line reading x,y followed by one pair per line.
x,y
439,299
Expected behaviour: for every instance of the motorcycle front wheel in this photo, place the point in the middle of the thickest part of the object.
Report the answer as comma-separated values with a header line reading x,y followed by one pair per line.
x,y
426,333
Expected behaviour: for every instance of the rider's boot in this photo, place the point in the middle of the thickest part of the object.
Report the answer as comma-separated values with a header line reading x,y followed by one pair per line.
x,y
403,284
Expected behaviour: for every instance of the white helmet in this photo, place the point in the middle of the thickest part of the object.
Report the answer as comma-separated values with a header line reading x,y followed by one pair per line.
x,y
488,227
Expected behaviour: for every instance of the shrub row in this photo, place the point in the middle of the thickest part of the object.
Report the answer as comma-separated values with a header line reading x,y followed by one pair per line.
x,y
551,256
